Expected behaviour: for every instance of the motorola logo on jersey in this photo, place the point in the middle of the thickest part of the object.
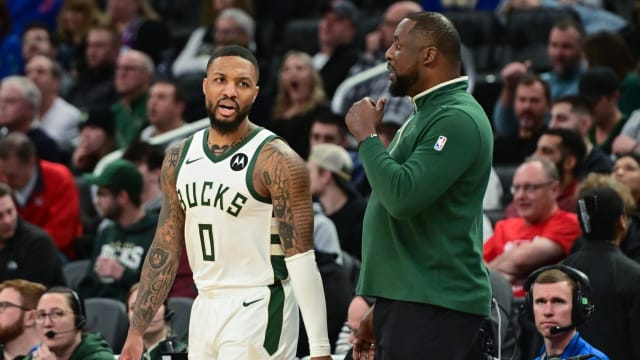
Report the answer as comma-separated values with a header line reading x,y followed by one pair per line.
x,y
239,161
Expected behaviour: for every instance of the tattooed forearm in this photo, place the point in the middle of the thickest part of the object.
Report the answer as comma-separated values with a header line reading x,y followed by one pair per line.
x,y
155,282
287,179
161,262
157,258
160,267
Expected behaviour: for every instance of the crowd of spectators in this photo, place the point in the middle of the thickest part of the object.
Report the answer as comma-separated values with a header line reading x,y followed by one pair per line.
x,y
80,79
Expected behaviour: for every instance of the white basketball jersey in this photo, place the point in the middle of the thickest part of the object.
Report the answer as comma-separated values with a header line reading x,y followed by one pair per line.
x,y
228,226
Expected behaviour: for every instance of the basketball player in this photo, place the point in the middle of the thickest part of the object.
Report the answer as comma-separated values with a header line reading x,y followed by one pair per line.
x,y
240,198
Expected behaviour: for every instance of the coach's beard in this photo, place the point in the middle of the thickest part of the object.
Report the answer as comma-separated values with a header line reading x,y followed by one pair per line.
x,y
401,86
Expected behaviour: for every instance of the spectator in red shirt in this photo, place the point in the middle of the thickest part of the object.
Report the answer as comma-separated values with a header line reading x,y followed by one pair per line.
x,y
45,192
542,234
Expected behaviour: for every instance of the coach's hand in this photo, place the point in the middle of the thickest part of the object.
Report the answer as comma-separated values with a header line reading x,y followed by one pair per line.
x,y
133,347
364,116
364,346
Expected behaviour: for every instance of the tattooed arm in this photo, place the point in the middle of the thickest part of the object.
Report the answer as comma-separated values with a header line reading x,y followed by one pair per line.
x,y
282,175
285,178
162,260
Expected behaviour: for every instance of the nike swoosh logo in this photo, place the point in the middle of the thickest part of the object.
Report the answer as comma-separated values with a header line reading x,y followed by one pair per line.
x,y
189,161
245,304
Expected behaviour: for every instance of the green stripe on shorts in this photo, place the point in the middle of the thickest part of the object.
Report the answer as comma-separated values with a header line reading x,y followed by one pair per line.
x,y
280,271
274,323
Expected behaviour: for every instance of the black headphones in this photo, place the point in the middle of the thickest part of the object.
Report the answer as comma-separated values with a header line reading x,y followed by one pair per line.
x,y
582,305
77,305
78,309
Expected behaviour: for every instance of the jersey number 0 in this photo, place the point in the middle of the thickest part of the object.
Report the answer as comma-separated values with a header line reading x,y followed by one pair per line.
x,y
206,240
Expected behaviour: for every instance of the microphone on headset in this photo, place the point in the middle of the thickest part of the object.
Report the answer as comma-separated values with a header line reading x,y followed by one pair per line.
x,y
52,334
558,329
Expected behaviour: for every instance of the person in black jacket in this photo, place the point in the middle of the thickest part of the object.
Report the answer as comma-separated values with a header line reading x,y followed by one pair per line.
x,y
26,251
93,85
337,43
615,278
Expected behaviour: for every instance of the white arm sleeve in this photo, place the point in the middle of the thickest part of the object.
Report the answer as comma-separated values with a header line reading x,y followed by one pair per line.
x,y
307,287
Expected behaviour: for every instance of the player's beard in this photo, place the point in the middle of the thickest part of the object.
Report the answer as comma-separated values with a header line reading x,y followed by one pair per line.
x,y
403,83
11,332
225,126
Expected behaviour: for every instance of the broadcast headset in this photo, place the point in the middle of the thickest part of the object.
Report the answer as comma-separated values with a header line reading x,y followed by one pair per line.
x,y
582,305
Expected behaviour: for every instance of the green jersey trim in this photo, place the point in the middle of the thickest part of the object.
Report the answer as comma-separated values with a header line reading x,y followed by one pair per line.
x,y
252,165
183,154
217,158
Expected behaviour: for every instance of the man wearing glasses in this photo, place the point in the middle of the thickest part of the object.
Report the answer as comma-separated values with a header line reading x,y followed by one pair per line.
x,y
541,234
566,149
18,300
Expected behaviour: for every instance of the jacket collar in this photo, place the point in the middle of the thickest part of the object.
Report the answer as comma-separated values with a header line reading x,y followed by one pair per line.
x,y
420,99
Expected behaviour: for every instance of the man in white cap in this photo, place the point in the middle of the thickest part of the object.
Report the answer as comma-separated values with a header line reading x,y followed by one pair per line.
x,y
330,169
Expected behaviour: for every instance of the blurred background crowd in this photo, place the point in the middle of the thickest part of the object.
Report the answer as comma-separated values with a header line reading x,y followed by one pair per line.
x,y
103,87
